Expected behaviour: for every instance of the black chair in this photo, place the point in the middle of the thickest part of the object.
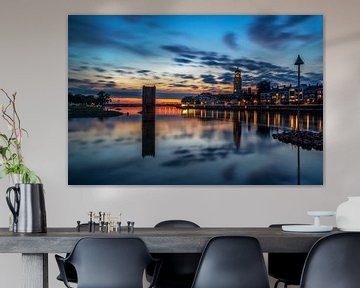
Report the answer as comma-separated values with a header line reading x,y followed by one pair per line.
x,y
69,269
286,267
108,263
232,262
178,269
333,262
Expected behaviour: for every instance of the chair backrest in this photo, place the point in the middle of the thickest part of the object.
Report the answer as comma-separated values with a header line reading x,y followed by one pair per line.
x,y
177,268
286,266
232,262
333,262
176,224
110,262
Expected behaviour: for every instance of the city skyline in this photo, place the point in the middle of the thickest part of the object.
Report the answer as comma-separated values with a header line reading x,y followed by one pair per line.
x,y
187,55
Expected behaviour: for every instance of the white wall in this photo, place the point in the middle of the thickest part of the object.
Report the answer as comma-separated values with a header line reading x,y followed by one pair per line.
x,y
33,62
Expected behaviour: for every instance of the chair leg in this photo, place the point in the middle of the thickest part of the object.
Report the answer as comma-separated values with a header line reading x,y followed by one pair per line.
x,y
277,283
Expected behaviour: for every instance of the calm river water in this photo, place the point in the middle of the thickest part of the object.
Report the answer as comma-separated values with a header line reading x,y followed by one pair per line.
x,y
191,147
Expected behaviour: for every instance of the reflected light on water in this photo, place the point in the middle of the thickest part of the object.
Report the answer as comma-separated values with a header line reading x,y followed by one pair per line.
x,y
191,147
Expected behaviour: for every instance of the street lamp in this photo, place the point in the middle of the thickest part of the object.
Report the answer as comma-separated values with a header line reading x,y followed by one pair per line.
x,y
298,62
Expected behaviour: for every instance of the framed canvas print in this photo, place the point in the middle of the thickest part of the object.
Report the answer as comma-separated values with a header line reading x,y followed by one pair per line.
x,y
195,100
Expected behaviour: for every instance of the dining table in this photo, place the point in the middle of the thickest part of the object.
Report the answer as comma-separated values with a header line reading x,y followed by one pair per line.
x,y
35,247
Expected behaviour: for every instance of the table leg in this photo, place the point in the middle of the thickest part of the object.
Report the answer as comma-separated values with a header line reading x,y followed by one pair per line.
x,y
35,270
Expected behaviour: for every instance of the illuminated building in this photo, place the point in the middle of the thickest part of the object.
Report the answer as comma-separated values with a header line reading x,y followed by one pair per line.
x,y
237,84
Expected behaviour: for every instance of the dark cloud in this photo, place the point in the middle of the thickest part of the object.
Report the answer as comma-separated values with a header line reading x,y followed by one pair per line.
x,y
313,74
110,84
100,70
208,78
211,63
312,77
137,49
255,70
79,81
186,52
230,41
182,60
212,56
183,85
121,71
104,77
226,78
185,76
273,33
184,55
77,69
179,49
182,151
144,72
178,85
86,86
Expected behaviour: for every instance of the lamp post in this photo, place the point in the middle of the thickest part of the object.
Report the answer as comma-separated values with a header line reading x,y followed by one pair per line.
x,y
298,62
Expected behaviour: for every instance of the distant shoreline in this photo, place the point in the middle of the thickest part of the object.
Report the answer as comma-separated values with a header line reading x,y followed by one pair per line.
x,y
83,111
306,107
303,107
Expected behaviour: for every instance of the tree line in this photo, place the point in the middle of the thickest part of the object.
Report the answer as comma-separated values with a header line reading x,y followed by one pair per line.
x,y
100,99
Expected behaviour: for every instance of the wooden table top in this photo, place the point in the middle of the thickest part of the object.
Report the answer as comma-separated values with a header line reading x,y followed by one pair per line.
x,y
158,240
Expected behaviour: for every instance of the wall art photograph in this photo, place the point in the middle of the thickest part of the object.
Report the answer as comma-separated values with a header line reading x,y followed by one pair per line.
x,y
195,100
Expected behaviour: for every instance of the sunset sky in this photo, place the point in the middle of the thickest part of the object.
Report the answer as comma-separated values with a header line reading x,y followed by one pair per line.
x,y
187,55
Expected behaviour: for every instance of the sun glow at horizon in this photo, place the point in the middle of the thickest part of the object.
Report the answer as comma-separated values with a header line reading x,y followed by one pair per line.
x,y
135,100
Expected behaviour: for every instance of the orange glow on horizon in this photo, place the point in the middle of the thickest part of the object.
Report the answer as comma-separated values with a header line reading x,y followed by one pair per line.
x,y
129,100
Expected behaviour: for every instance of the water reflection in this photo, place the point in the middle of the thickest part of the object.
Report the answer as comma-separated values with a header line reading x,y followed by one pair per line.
x,y
237,130
148,133
308,120
191,147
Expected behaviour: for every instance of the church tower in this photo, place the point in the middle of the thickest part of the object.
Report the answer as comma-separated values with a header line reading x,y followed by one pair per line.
x,y
237,84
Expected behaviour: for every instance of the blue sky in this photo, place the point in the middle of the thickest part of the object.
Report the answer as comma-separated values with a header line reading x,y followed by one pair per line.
x,y
189,54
